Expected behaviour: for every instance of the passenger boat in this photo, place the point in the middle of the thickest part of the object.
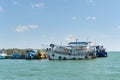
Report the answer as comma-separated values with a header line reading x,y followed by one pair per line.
x,y
74,51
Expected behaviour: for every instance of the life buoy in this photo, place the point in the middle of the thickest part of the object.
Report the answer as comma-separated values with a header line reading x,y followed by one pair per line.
x,y
60,57
64,58
86,57
74,58
53,55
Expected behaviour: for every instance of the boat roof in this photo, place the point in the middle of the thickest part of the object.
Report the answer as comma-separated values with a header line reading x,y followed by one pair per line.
x,y
85,43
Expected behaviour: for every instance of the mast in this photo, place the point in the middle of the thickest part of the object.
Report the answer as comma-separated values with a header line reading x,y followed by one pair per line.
x,y
76,41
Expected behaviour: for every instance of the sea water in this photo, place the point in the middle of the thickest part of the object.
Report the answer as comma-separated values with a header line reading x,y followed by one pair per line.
x,y
95,69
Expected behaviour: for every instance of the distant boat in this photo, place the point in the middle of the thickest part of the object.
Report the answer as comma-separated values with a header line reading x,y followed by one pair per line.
x,y
74,51
101,51
31,54
17,56
3,55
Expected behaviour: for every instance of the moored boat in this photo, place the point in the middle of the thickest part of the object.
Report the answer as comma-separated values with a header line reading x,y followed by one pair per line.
x,y
101,51
74,51
35,54
3,55
31,54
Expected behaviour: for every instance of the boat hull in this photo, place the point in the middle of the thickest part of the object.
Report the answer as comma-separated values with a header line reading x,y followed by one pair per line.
x,y
56,56
102,54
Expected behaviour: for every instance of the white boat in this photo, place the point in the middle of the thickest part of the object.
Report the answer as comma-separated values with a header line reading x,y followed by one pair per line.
x,y
3,55
74,51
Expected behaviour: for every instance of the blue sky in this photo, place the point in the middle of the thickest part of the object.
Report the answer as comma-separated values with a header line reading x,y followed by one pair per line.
x,y
37,23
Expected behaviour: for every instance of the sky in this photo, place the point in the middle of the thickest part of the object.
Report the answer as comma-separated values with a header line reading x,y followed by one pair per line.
x,y
38,23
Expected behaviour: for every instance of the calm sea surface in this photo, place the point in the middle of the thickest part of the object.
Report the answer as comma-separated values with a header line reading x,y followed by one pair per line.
x,y
96,69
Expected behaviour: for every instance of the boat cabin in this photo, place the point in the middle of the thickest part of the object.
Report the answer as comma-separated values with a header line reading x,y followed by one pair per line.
x,y
85,44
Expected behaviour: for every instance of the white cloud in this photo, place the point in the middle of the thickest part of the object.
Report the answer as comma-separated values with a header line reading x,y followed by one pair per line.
x,y
38,5
74,18
91,1
91,18
14,3
1,9
23,28
70,38
118,27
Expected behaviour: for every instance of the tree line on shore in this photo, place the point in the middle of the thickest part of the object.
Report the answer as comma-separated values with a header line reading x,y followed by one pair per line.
x,y
16,50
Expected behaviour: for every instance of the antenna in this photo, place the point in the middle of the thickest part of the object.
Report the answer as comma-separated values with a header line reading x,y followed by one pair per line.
x,y
76,41
61,43
95,43
87,39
